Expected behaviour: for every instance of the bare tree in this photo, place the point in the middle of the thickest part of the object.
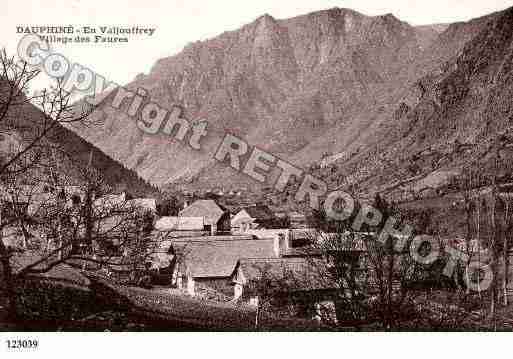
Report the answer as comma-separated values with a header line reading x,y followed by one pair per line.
x,y
72,230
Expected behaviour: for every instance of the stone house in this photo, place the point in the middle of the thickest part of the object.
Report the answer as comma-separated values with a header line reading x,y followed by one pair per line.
x,y
216,218
301,285
212,261
256,216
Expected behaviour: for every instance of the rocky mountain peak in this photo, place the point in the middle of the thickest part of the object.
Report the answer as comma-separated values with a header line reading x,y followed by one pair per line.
x,y
328,81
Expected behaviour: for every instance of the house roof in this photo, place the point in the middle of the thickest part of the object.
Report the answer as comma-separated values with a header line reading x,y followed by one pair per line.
x,y
148,204
110,201
33,195
40,196
218,258
180,224
269,233
285,274
296,216
206,208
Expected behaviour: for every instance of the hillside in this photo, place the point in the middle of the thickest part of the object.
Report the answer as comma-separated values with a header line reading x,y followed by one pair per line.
x,y
70,152
457,112
330,82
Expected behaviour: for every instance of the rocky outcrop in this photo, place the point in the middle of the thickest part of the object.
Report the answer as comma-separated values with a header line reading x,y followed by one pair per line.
x,y
330,81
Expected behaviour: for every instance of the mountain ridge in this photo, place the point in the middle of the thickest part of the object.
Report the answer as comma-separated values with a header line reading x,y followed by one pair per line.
x,y
324,82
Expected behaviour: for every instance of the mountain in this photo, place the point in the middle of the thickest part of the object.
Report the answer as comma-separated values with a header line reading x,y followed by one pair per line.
x,y
448,118
333,82
466,104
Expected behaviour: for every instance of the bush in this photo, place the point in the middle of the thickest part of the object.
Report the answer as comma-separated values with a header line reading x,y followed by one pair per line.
x,y
49,300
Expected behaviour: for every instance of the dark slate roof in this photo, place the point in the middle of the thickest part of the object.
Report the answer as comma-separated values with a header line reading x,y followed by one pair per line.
x,y
218,258
259,212
206,208
179,224
285,274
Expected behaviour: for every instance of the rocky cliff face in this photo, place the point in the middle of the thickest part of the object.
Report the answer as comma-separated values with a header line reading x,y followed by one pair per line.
x,y
332,81
449,117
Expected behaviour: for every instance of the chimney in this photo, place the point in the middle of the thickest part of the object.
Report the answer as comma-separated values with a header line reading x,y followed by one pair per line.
x,y
190,286
286,241
281,244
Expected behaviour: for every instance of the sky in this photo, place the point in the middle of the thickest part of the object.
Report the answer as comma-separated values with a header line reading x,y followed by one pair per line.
x,y
179,22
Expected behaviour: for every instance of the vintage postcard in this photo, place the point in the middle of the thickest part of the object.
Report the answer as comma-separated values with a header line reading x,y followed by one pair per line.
x,y
272,166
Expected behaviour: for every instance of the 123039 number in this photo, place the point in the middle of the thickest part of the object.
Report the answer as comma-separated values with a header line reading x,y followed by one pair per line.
x,y
22,344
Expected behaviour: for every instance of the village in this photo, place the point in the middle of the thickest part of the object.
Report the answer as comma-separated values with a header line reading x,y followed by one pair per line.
x,y
369,192
204,248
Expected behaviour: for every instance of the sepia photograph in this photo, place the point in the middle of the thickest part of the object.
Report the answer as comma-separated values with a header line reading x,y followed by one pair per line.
x,y
239,167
